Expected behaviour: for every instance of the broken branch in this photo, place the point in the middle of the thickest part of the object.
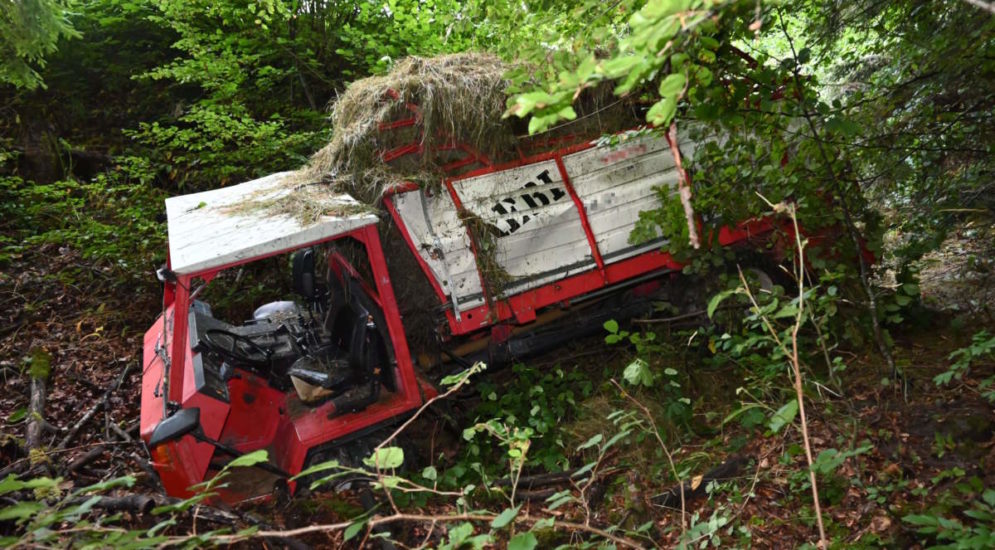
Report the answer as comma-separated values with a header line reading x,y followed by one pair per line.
x,y
684,186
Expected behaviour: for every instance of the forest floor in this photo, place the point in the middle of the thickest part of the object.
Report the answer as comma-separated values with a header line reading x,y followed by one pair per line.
x,y
888,450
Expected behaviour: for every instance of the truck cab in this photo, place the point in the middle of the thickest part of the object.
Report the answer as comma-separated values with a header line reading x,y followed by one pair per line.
x,y
302,373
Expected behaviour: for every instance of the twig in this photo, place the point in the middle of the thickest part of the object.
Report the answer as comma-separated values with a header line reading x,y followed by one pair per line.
x,y
795,361
666,451
455,387
95,408
378,521
87,458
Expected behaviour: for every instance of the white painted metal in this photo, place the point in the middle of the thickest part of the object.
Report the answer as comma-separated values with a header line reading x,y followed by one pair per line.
x,y
615,184
206,232
540,237
442,241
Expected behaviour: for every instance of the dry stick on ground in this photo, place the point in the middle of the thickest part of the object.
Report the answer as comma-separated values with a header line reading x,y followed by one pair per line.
x,y
102,401
666,450
793,358
36,414
378,521
18,465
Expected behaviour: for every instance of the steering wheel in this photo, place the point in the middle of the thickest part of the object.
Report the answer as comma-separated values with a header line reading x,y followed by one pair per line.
x,y
238,347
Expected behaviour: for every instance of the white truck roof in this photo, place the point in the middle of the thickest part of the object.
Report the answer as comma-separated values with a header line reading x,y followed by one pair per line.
x,y
209,230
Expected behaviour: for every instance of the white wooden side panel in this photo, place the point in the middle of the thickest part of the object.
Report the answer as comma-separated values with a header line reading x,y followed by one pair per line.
x,y
615,184
541,238
541,230
207,231
441,240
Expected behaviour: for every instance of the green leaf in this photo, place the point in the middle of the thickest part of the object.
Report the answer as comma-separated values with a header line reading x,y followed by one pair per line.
x,y
505,517
353,530
249,459
388,482
594,440
673,85
11,483
785,415
17,415
544,523
21,510
330,465
459,534
567,113
523,541
921,519
611,326
430,473
385,458
716,300
662,112
583,470
620,66
638,373
124,481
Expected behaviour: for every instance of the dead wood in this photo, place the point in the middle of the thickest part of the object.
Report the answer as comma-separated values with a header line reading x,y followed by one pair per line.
x,y
87,457
36,415
101,402
695,487
552,478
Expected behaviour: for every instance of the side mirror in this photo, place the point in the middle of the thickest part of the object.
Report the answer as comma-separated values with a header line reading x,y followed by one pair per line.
x,y
174,427
304,278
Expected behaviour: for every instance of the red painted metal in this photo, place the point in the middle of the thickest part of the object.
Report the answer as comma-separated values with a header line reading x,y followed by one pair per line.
x,y
397,152
258,416
584,222
564,289
393,125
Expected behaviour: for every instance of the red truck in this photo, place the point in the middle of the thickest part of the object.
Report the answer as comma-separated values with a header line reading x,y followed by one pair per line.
x,y
305,378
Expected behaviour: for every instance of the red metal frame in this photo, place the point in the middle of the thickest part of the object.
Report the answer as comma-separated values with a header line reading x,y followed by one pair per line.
x,y
584,221
258,416
522,306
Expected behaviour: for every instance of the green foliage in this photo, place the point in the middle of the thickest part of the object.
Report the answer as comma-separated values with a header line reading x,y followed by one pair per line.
x,y
914,86
651,368
974,529
29,31
660,37
42,506
111,221
539,401
982,347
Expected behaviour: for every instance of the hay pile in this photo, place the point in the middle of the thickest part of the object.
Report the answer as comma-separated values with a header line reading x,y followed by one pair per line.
x,y
458,97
